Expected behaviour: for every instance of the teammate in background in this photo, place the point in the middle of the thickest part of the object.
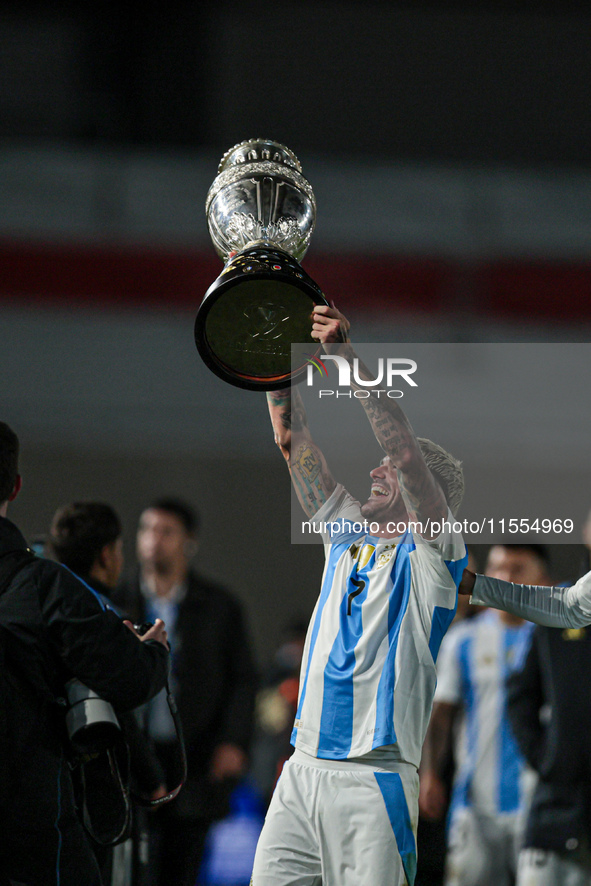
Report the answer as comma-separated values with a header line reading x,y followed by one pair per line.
x,y
492,784
276,706
345,808
432,832
555,607
213,680
548,705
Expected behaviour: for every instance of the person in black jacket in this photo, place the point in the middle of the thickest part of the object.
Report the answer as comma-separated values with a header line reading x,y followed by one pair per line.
x,y
87,538
550,712
54,628
213,679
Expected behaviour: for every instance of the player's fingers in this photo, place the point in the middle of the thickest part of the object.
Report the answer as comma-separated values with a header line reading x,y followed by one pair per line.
x,y
329,333
321,326
322,318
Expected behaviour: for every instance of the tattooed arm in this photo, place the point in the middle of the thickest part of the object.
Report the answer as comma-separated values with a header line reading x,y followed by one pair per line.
x,y
310,475
422,495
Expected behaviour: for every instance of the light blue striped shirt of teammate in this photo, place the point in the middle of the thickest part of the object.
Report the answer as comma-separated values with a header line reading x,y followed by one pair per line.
x,y
476,658
368,671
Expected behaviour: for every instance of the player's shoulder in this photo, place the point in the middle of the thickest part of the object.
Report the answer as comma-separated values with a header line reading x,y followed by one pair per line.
x,y
340,505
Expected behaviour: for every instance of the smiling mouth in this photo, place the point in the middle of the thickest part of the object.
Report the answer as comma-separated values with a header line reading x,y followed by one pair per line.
x,y
379,492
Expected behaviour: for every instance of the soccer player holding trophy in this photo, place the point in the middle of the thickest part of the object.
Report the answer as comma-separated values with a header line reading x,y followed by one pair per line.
x,y
345,809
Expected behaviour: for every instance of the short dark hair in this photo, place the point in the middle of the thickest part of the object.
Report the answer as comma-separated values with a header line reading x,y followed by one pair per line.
x,y
79,531
179,508
540,551
8,461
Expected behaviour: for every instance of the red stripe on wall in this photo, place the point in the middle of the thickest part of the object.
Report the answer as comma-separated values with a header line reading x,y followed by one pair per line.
x,y
135,276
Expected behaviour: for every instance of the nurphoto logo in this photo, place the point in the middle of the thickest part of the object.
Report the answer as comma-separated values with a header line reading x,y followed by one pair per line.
x,y
389,370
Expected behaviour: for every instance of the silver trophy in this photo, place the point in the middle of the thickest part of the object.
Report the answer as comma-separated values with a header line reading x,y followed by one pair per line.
x,y
260,212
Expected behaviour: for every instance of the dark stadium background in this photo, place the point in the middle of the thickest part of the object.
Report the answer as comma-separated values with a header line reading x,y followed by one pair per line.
x,y
449,147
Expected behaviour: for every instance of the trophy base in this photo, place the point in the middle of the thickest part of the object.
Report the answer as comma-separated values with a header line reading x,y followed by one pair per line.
x,y
260,305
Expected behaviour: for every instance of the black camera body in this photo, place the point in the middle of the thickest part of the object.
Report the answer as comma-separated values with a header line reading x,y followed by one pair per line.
x,y
144,627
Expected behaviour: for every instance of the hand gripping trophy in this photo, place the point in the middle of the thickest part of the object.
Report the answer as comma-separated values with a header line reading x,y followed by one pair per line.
x,y
261,213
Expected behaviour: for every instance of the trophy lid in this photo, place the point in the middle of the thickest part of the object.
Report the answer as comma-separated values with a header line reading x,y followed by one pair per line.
x,y
254,150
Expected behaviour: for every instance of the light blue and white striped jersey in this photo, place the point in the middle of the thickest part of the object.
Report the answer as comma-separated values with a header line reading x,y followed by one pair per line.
x,y
368,670
476,657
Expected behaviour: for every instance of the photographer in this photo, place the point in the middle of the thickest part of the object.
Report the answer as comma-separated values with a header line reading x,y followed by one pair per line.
x,y
53,627
87,538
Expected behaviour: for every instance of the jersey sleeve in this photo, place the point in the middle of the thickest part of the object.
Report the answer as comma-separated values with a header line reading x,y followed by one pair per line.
x,y
449,677
449,546
338,517
554,607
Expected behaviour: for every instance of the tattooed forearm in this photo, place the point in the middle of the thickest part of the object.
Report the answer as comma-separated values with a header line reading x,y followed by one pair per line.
x,y
311,479
299,419
278,398
279,403
390,426
421,496
313,482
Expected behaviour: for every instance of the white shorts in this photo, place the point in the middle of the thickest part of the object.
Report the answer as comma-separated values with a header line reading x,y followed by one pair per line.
x,y
482,849
339,823
539,867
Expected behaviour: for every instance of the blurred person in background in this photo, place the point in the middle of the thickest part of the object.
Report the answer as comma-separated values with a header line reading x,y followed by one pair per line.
x,y
276,705
87,538
549,709
54,628
431,833
491,784
213,679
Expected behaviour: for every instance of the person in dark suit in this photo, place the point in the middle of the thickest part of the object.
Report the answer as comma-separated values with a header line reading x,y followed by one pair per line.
x,y
213,680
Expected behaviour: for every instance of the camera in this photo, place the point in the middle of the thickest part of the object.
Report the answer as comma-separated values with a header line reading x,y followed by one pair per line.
x,y
91,722
143,628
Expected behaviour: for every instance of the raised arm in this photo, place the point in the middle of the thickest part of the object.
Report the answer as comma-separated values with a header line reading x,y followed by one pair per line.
x,y
310,475
422,495
555,607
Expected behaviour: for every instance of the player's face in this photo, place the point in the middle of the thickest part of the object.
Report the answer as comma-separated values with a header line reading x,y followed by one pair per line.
x,y
161,541
385,501
517,565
